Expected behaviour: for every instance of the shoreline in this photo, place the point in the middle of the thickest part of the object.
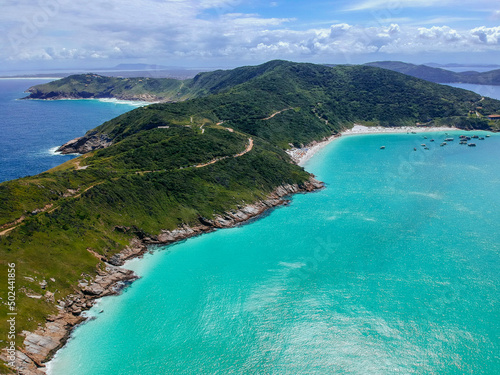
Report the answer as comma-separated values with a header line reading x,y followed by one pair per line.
x,y
40,346
301,155
130,102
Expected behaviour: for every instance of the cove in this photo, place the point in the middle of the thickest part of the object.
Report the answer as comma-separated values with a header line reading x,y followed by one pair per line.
x,y
392,268
33,129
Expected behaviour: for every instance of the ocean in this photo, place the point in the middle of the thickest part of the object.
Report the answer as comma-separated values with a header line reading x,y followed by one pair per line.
x,y
31,130
392,268
485,90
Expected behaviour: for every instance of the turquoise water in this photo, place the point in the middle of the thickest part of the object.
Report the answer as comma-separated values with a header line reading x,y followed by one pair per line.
x,y
32,129
393,268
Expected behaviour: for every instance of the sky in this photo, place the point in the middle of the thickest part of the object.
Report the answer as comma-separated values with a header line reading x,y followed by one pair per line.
x,y
58,34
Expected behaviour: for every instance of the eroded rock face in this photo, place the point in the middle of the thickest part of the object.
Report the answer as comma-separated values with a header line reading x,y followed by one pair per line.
x,y
134,250
232,218
39,346
87,143
43,342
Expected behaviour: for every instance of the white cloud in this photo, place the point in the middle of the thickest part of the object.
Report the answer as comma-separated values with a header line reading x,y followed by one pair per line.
x,y
437,33
488,36
158,30
392,5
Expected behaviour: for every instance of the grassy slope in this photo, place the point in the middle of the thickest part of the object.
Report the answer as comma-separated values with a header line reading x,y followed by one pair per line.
x,y
55,243
155,89
96,86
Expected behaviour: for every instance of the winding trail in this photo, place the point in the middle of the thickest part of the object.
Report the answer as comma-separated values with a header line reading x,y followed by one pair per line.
x,y
3,233
14,224
247,149
51,207
276,113
48,208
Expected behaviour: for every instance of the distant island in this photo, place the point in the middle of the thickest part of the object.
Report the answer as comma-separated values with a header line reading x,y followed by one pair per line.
x,y
212,157
440,75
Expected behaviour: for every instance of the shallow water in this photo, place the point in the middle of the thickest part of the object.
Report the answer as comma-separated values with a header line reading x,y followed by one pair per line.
x,y
393,268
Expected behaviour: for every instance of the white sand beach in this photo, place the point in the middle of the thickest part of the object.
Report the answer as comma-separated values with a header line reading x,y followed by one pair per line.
x,y
361,129
302,155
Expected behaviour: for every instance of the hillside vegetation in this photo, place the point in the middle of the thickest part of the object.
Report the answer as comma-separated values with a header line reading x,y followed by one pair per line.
x,y
315,101
172,164
95,86
154,180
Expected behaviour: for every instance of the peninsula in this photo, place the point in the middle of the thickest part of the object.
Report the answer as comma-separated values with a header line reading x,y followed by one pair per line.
x,y
214,157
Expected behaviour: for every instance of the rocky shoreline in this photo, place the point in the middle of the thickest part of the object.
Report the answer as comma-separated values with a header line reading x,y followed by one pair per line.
x,y
42,344
82,145
35,94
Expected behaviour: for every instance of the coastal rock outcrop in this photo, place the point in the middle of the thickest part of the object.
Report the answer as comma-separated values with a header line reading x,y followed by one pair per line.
x,y
82,145
41,345
232,218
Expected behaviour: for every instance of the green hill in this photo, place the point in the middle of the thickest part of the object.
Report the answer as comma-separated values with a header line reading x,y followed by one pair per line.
x,y
168,165
440,75
94,86
318,100
85,86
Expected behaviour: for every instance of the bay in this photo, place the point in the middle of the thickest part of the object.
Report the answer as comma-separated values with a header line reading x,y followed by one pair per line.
x,y
392,268
485,90
32,129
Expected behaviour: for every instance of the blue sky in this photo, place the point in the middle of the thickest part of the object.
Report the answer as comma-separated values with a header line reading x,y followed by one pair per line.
x,y
226,33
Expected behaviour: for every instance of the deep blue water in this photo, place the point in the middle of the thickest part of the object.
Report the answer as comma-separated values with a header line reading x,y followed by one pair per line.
x,y
31,129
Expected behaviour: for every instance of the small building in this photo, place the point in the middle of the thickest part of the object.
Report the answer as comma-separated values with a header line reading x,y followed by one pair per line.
x,y
494,117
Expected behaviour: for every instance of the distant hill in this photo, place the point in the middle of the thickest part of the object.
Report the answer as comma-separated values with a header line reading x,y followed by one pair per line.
x,y
95,86
320,100
440,75
139,67
471,66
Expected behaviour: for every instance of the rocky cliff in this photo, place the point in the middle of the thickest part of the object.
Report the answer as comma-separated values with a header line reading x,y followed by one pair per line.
x,y
82,145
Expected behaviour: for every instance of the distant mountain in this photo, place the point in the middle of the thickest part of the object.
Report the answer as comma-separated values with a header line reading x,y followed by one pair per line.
x,y
440,75
139,67
455,65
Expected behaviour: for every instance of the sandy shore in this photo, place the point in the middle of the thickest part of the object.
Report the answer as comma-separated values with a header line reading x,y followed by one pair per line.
x,y
302,155
360,129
